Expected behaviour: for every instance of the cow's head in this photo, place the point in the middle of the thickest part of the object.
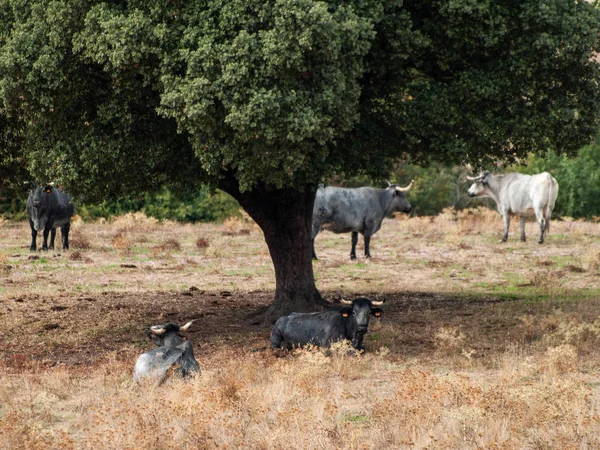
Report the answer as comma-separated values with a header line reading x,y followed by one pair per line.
x,y
360,312
479,188
41,199
168,334
400,202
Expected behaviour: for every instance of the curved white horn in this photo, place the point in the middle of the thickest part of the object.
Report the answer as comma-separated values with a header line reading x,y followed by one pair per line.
x,y
389,184
377,303
158,330
471,178
187,325
404,189
344,301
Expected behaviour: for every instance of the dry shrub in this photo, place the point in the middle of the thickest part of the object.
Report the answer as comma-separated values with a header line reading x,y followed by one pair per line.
x,y
235,226
583,336
6,268
560,360
546,281
76,222
137,221
166,248
591,259
122,243
202,243
78,256
79,241
558,329
449,338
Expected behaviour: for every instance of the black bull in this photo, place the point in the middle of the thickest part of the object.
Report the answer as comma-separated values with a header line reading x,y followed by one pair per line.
x,y
323,328
47,209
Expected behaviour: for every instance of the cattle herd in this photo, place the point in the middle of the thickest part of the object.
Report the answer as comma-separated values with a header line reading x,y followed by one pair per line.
x,y
343,210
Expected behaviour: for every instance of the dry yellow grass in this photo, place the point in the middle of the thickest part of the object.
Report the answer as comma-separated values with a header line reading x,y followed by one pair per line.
x,y
309,400
482,345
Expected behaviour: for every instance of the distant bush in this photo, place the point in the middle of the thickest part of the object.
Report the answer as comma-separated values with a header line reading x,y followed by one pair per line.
x,y
165,204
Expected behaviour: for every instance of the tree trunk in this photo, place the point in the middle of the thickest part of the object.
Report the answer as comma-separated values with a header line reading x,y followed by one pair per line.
x,y
285,217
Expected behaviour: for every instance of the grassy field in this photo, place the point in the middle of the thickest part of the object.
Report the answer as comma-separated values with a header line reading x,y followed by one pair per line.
x,y
482,345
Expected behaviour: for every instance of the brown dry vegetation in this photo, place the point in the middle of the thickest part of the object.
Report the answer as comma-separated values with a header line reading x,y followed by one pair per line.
x,y
482,345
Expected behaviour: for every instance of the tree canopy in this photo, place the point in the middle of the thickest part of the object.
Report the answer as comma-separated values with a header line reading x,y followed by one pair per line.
x,y
124,96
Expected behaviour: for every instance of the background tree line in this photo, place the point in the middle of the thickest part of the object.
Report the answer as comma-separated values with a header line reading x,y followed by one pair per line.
x,y
439,186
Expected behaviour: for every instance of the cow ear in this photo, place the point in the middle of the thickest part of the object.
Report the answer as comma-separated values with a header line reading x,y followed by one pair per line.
x,y
346,312
377,312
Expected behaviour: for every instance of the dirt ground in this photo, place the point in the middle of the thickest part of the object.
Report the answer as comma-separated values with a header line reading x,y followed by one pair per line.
x,y
481,344
97,299
83,330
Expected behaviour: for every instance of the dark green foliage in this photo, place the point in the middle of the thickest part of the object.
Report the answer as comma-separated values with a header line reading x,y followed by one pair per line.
x,y
115,98
202,207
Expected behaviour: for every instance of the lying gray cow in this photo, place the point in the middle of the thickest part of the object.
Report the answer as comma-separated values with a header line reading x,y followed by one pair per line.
x,y
356,210
323,328
522,195
174,353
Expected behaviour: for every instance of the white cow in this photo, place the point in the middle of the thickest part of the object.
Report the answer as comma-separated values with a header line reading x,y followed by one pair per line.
x,y
522,195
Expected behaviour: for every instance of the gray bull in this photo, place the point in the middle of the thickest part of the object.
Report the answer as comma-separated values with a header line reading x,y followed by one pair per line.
x,y
522,195
47,209
174,353
356,210
324,328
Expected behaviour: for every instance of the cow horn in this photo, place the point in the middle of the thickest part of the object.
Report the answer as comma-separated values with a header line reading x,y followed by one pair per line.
x,y
158,330
377,303
404,189
187,325
344,301
389,184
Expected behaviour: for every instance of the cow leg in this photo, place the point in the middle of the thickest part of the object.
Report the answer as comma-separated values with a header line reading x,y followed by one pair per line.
x,y
354,242
64,234
539,214
52,237
367,243
522,228
33,246
45,234
506,218
276,338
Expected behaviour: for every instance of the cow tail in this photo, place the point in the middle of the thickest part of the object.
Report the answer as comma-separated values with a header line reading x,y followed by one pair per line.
x,y
552,195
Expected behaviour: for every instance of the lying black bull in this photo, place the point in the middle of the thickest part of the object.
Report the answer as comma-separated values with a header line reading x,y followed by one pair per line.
x,y
323,328
174,351
47,209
